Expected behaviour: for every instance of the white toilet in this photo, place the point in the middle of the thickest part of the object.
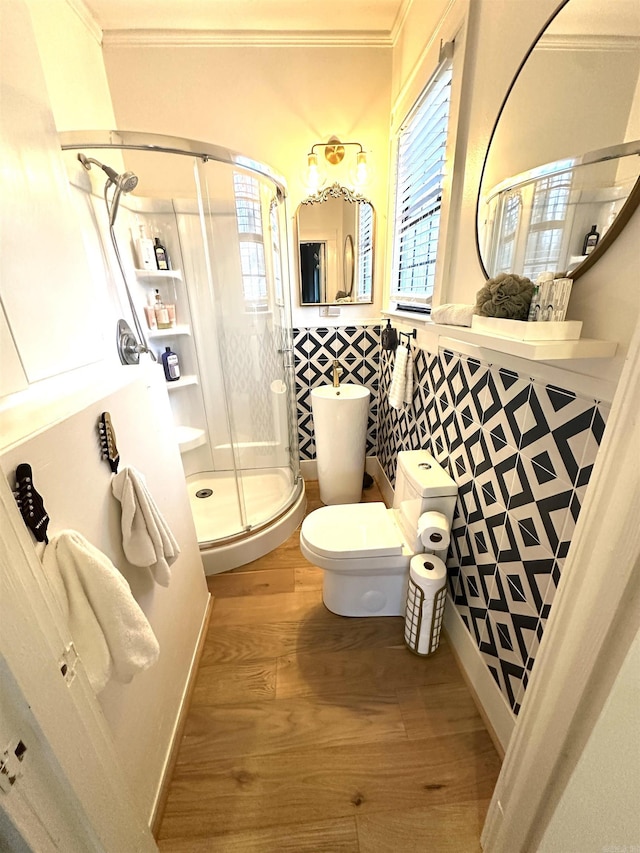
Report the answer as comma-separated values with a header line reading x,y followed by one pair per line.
x,y
365,548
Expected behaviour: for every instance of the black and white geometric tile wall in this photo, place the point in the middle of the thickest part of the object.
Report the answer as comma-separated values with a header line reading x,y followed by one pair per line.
x,y
521,453
358,350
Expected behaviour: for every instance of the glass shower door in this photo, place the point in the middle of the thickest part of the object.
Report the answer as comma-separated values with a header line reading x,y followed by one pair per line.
x,y
243,223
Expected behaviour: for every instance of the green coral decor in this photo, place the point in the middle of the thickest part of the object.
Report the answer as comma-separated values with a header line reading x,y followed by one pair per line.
x,y
507,296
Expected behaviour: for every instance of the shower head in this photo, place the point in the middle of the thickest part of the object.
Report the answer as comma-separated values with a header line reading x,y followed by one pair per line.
x,y
126,182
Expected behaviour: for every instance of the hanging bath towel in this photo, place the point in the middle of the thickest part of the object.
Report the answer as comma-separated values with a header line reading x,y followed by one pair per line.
x,y
146,537
109,630
398,389
408,383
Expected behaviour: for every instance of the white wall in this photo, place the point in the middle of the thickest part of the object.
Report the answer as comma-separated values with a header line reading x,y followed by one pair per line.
x,y
605,781
54,285
606,298
71,53
271,103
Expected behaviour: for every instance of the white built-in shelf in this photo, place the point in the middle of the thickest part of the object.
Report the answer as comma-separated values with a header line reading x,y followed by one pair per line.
x,y
188,379
165,333
189,438
154,275
533,350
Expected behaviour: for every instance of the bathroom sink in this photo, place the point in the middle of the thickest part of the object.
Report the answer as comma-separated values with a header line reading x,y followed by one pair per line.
x,y
340,416
345,392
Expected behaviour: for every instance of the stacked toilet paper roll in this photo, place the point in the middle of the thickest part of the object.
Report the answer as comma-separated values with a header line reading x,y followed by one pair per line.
x,y
425,603
433,531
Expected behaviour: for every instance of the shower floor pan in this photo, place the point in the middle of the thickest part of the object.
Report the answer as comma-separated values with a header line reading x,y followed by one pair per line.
x,y
217,516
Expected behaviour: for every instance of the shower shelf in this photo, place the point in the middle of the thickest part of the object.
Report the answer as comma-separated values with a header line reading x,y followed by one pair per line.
x,y
190,438
188,379
165,333
154,275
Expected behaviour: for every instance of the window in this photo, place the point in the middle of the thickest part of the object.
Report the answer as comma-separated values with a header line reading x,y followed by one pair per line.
x,y
251,241
546,231
534,220
419,180
365,252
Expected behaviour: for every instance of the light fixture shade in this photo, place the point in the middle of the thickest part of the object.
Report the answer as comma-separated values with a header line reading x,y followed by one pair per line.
x,y
362,173
313,179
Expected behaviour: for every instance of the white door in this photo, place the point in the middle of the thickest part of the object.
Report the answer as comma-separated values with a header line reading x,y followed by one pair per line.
x,y
62,787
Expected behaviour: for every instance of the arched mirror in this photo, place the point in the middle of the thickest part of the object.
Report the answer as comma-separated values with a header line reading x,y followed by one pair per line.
x,y
561,175
335,246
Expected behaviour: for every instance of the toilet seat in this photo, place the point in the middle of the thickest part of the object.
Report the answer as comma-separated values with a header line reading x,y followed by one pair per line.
x,y
345,531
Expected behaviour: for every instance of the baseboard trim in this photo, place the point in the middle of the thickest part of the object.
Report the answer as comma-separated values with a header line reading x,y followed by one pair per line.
x,y
309,468
172,755
492,706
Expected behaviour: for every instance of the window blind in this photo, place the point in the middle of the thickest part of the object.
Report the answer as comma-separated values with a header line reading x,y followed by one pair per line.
x,y
419,178
365,250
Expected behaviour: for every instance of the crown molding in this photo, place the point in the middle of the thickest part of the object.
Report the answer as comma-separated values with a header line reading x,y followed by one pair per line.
x,y
399,22
204,38
85,16
588,43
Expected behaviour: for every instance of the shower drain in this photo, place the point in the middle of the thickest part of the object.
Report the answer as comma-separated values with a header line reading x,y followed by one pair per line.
x,y
204,493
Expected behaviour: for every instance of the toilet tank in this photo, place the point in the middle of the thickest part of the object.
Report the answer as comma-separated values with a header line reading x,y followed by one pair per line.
x,y
422,485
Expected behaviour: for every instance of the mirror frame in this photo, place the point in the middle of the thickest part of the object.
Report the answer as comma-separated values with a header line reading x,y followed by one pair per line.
x,y
626,211
338,191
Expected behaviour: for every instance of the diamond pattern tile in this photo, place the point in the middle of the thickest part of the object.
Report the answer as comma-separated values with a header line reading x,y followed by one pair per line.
x,y
521,452
506,405
558,431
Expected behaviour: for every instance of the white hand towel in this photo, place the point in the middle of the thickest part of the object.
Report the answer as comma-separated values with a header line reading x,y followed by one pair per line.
x,y
408,385
399,378
109,630
146,537
453,314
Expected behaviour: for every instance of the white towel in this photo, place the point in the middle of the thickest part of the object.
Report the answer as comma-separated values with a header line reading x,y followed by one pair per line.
x,y
408,385
453,314
109,630
399,379
146,537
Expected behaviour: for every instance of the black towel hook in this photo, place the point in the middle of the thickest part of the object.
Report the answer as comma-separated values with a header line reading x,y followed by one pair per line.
x,y
409,335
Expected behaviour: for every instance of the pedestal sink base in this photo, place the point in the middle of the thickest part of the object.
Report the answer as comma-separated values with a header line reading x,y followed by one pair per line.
x,y
340,418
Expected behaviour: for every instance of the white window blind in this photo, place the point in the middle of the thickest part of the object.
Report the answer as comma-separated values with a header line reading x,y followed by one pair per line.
x,y
365,251
420,172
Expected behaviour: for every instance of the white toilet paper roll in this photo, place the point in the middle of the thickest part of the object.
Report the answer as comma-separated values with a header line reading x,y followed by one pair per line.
x,y
425,603
433,531
428,572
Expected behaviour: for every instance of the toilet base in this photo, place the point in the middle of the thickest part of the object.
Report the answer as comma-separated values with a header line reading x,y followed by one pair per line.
x,y
365,595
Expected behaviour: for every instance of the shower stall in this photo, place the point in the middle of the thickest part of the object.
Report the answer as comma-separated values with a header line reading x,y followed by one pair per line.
x,y
222,219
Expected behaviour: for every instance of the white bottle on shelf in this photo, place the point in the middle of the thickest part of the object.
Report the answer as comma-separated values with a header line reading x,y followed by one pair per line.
x,y
146,252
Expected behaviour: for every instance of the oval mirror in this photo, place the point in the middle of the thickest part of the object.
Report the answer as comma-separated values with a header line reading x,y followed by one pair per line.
x,y
335,247
560,179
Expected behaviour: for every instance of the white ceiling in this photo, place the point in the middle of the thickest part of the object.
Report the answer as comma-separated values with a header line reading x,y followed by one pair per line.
x,y
371,16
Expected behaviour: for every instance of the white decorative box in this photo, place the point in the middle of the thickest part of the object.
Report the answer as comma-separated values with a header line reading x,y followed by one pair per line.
x,y
521,330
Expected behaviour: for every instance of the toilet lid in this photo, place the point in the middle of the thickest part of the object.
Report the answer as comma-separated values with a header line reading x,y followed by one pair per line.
x,y
352,530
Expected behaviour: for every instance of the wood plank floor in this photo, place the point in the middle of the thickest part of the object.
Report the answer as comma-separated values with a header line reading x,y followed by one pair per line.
x,y
312,733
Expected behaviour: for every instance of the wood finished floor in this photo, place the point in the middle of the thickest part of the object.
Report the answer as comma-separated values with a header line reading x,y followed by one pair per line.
x,y
312,733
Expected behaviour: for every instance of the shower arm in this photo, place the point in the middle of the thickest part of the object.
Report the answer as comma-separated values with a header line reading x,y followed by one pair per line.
x,y
136,348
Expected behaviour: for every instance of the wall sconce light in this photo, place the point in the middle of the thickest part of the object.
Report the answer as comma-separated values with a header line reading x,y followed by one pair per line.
x,y
334,154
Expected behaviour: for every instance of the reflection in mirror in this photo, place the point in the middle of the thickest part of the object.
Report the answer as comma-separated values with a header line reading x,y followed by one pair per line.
x,y
560,178
348,268
335,240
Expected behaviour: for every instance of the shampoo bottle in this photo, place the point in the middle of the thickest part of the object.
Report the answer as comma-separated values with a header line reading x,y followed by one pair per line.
x,y
170,365
162,259
146,256
162,315
590,241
